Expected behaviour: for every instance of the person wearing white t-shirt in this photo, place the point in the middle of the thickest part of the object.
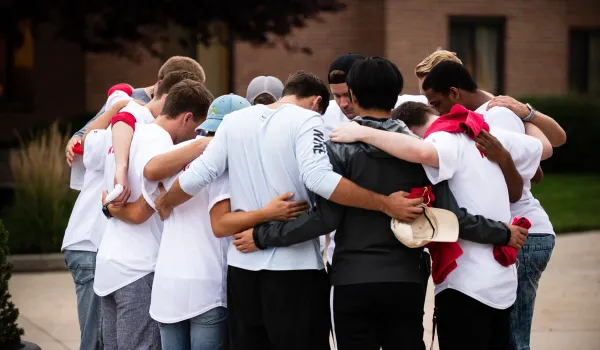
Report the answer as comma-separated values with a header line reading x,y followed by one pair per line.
x,y
278,298
538,248
127,254
82,238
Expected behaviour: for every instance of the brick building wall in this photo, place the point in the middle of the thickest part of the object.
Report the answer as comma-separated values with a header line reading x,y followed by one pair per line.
x,y
360,28
405,31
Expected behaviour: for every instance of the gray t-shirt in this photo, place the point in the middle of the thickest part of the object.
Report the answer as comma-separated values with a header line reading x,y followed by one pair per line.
x,y
268,152
138,94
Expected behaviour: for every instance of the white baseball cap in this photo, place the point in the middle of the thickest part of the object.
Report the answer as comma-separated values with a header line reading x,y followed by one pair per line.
x,y
264,84
434,225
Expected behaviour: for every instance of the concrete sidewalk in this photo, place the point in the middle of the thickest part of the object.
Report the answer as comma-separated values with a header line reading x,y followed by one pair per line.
x,y
567,314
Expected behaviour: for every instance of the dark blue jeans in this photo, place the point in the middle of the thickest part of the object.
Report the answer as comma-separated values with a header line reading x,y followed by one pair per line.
x,y
532,259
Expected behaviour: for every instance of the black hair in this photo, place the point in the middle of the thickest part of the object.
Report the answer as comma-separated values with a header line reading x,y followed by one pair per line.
x,y
303,84
375,83
413,113
449,74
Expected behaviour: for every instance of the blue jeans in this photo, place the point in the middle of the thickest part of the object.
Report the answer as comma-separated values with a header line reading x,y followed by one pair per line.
x,y
207,331
82,265
532,259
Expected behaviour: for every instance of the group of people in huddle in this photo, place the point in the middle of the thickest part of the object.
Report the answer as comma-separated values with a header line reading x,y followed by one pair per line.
x,y
264,222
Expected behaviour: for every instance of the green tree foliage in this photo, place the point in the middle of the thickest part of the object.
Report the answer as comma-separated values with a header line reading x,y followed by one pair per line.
x,y
113,25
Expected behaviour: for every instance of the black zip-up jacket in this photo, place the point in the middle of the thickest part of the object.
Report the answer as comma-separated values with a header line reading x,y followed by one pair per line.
x,y
366,249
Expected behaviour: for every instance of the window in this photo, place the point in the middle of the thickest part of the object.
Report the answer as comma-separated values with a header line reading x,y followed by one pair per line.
x,y
584,61
217,61
16,69
479,43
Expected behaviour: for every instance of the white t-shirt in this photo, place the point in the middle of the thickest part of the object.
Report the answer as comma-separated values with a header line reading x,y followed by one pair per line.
x,y
332,119
128,251
268,152
527,206
191,270
479,186
87,224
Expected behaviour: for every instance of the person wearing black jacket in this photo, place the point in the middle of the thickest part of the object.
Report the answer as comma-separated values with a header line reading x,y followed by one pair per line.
x,y
378,293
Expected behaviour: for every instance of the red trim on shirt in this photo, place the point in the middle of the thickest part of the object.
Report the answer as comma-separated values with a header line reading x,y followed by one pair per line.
x,y
124,117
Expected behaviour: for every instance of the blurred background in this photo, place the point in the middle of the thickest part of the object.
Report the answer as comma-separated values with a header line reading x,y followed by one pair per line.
x,y
58,60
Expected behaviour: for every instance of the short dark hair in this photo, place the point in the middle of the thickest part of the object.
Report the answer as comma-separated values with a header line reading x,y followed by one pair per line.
x,y
172,79
337,77
188,96
375,83
303,84
448,74
264,99
413,113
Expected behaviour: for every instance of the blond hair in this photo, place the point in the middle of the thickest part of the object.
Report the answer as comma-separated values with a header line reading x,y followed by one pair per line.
x,y
177,63
432,60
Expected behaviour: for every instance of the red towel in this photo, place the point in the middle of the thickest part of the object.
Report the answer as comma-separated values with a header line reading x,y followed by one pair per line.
x,y
443,255
460,120
506,255
77,149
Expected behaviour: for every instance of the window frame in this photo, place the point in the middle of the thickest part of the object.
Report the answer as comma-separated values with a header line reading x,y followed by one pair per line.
x,y
496,22
588,32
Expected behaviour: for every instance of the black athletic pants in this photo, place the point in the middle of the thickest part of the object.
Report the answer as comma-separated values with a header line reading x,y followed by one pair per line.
x,y
370,316
466,324
278,310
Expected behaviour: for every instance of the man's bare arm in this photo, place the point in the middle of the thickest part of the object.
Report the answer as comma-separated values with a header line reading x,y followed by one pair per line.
x,y
553,131
170,163
405,147
534,131
227,223
495,152
136,212
103,121
174,197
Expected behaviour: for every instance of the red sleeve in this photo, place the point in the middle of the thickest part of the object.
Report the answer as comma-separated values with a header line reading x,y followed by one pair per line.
x,y
124,117
126,88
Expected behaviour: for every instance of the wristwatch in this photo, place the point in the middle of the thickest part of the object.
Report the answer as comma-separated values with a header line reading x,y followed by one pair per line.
x,y
531,114
105,211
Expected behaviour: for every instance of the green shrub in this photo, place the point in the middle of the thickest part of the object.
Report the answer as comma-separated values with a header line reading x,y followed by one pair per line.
x,y
10,333
43,201
580,117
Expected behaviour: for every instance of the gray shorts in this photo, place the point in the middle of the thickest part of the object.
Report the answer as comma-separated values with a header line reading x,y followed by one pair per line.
x,y
126,321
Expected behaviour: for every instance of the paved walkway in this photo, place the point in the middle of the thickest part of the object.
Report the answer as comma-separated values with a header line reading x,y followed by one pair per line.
x,y
567,314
